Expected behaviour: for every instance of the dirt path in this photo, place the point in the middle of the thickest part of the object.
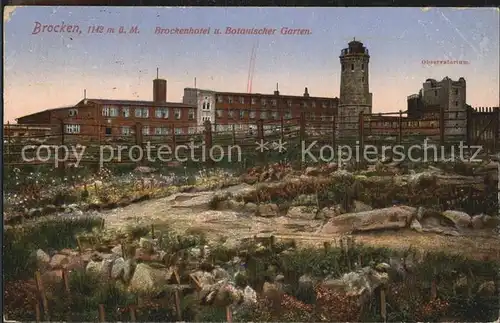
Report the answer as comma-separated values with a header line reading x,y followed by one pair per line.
x,y
191,211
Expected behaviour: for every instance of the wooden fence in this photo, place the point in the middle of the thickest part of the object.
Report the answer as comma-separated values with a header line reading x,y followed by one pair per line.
x,y
211,141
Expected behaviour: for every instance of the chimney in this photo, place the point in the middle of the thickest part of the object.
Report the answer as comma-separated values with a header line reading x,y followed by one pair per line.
x,y
159,90
306,93
277,92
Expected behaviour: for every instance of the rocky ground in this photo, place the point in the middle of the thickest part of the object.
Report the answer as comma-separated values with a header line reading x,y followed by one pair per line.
x,y
285,203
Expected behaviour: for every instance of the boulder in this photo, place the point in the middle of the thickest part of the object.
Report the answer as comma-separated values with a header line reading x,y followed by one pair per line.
x,y
302,212
58,261
42,259
267,210
395,217
147,279
415,225
477,222
460,219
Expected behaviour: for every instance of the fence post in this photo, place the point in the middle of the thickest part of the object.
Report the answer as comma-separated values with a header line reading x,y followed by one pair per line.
x,y
496,128
400,137
260,137
470,123
41,293
208,139
334,135
7,147
441,126
383,305
302,124
361,138
102,316
282,126
233,133
61,165
138,135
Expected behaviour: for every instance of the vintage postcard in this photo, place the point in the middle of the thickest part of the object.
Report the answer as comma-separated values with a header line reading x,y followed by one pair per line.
x,y
251,164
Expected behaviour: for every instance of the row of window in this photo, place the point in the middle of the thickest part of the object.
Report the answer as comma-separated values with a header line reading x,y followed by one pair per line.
x,y
362,65
271,102
160,113
273,115
126,130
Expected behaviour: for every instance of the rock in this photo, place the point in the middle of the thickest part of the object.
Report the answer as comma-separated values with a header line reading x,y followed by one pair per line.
x,y
312,171
107,265
332,211
305,199
147,279
219,274
118,268
491,222
49,209
361,207
360,284
477,222
58,261
487,289
147,244
75,263
267,210
249,296
424,179
128,269
460,219
94,267
42,259
251,207
415,225
395,217
302,212
144,170
35,212
117,250
226,295
197,202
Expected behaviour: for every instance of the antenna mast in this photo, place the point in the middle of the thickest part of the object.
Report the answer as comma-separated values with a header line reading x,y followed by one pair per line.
x,y
157,72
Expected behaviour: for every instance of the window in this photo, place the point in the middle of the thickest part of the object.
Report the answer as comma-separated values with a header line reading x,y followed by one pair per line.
x,y
352,67
191,114
456,103
343,67
230,99
263,115
109,131
178,131
72,112
161,131
206,106
456,91
219,113
362,67
162,113
177,113
242,114
435,93
274,115
220,99
324,104
289,103
145,130
191,130
323,117
263,101
304,104
109,111
126,131
72,128
230,114
288,115
313,104
141,112
274,102
242,100
252,114
254,100
125,112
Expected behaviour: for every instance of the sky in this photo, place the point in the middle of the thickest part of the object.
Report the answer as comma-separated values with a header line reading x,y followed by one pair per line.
x,y
49,70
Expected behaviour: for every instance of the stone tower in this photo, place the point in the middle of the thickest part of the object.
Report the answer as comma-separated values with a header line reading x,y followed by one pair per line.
x,y
355,95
